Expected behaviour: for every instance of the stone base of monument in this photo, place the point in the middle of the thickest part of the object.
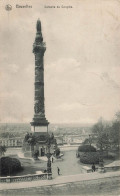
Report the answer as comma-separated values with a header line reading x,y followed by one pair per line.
x,y
49,176
39,130
39,125
39,147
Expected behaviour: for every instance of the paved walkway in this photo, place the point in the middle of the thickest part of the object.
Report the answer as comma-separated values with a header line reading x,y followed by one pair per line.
x,y
58,181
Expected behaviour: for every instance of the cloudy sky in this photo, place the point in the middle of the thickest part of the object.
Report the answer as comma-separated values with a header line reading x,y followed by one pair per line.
x,y
82,60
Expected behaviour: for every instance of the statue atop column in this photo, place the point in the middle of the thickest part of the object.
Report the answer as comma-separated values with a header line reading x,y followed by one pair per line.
x,y
38,25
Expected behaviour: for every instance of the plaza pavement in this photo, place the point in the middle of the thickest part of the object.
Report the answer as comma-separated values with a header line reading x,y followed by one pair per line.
x,y
60,180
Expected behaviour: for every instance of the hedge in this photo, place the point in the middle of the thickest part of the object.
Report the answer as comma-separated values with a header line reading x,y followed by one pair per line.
x,y
9,165
86,148
89,157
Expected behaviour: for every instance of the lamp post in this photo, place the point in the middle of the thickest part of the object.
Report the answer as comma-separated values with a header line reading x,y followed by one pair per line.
x,y
101,164
90,140
49,170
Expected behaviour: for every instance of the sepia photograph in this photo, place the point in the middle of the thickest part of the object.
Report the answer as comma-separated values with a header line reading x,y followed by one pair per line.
x,y
59,97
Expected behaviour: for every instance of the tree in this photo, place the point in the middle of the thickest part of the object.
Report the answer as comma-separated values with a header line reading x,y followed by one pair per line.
x,y
101,134
106,135
2,150
117,116
85,142
115,132
88,141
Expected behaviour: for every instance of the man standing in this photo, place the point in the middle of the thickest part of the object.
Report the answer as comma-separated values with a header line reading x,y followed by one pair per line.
x,y
58,170
93,167
52,159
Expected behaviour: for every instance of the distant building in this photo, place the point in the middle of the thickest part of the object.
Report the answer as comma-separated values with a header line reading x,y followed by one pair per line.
x,y
11,142
74,139
59,139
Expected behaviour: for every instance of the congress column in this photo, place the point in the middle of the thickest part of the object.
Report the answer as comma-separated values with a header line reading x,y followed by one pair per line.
x,y
39,123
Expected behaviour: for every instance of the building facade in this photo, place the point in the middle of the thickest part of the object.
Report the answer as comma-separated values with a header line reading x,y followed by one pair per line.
x,y
11,142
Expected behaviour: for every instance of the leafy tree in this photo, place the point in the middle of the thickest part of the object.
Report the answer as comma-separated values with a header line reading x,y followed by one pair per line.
x,y
117,115
101,134
106,135
2,150
88,141
115,132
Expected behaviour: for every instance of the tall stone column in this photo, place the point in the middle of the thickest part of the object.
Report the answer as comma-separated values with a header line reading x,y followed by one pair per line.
x,y
39,123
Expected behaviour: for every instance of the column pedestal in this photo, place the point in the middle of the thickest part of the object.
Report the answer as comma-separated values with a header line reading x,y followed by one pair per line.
x,y
39,126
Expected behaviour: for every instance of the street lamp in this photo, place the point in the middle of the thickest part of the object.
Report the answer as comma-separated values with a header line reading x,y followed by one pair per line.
x,y
49,170
101,163
90,140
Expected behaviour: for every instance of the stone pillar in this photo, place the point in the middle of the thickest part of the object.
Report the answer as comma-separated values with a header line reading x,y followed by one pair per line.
x,y
39,123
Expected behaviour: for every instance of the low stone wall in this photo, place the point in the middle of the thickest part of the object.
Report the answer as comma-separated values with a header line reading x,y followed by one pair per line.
x,y
104,186
25,178
87,169
112,168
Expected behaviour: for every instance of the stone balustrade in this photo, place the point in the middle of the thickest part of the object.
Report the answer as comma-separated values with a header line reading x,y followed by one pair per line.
x,y
25,178
107,168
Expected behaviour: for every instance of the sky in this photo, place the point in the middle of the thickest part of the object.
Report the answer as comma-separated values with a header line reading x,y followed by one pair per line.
x,y
81,62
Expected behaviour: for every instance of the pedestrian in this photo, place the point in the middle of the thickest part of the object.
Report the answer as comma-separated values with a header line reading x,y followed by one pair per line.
x,y
93,167
58,170
52,159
